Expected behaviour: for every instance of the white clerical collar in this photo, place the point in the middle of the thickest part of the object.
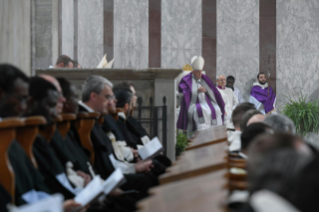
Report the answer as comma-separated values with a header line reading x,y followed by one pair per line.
x,y
122,115
260,85
86,107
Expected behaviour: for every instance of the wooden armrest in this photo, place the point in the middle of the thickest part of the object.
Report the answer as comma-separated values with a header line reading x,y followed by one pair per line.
x,y
82,115
93,115
34,121
7,134
68,116
58,118
11,123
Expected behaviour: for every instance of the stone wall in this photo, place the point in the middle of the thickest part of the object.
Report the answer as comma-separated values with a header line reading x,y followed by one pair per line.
x,y
238,42
130,34
181,32
297,49
15,39
90,32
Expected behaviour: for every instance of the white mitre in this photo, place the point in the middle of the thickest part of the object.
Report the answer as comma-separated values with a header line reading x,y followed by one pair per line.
x,y
104,64
198,63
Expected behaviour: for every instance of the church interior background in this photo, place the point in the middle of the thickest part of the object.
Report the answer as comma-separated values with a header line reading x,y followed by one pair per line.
x,y
236,37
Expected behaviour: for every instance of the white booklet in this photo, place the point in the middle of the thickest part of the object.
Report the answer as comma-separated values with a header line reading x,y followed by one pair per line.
x,y
151,149
91,192
97,187
54,203
116,179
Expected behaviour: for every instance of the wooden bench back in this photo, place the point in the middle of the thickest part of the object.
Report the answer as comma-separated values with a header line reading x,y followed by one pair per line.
x,y
7,134
114,114
84,124
49,130
64,125
27,134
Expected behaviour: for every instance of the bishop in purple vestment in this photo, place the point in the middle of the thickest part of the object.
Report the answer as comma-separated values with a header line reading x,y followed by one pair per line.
x,y
263,96
202,105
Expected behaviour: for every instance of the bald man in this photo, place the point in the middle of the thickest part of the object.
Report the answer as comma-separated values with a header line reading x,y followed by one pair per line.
x,y
61,99
256,119
229,99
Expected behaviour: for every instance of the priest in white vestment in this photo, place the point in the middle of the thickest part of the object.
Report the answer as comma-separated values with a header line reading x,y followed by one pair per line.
x,y
202,105
229,99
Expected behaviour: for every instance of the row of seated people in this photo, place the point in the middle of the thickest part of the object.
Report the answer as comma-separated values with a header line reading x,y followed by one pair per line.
x,y
64,164
280,168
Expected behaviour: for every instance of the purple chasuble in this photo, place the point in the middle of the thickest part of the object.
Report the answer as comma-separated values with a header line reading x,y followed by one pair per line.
x,y
262,96
185,87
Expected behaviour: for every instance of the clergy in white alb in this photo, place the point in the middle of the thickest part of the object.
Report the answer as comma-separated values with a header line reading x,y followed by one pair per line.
x,y
263,96
229,100
202,105
230,81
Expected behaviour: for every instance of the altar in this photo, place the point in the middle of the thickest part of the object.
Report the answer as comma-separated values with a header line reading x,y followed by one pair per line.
x,y
155,83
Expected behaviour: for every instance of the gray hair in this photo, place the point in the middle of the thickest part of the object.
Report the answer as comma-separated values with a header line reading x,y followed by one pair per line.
x,y
217,77
94,84
280,123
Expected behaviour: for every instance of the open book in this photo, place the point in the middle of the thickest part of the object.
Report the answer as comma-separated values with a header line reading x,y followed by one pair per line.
x,y
54,203
97,187
151,149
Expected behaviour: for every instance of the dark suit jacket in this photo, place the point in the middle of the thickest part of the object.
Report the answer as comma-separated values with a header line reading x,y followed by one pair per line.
x,y
102,149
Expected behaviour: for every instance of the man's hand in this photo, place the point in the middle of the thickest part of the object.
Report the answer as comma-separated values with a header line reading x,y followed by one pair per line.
x,y
143,166
71,205
87,178
116,192
135,152
201,90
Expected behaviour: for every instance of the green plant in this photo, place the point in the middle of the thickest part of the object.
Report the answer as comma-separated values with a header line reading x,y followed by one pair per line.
x,y
181,143
304,114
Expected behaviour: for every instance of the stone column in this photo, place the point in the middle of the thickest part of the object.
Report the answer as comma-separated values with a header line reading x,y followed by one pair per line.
x,y
15,39
90,32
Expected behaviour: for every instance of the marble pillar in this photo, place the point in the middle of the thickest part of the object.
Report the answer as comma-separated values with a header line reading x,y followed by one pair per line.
x,y
181,32
297,49
42,33
130,34
90,32
238,42
15,29
68,28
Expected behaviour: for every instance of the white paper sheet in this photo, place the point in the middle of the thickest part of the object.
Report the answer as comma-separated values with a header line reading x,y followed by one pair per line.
x,y
151,149
93,190
53,203
114,180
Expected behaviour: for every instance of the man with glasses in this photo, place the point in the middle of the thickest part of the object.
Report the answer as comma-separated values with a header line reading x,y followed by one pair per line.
x,y
97,95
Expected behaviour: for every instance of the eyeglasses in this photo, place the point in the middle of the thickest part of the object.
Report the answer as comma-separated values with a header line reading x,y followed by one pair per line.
x,y
108,97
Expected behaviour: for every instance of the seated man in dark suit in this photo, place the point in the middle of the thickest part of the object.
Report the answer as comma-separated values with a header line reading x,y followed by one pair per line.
x,y
135,131
44,103
29,183
96,95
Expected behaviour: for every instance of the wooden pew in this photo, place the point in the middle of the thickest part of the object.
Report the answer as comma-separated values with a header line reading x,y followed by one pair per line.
x,y
49,130
114,113
207,137
84,124
64,125
8,133
197,162
203,193
27,134
237,173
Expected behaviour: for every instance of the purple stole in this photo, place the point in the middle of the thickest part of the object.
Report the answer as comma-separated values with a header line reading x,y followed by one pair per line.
x,y
262,96
185,87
